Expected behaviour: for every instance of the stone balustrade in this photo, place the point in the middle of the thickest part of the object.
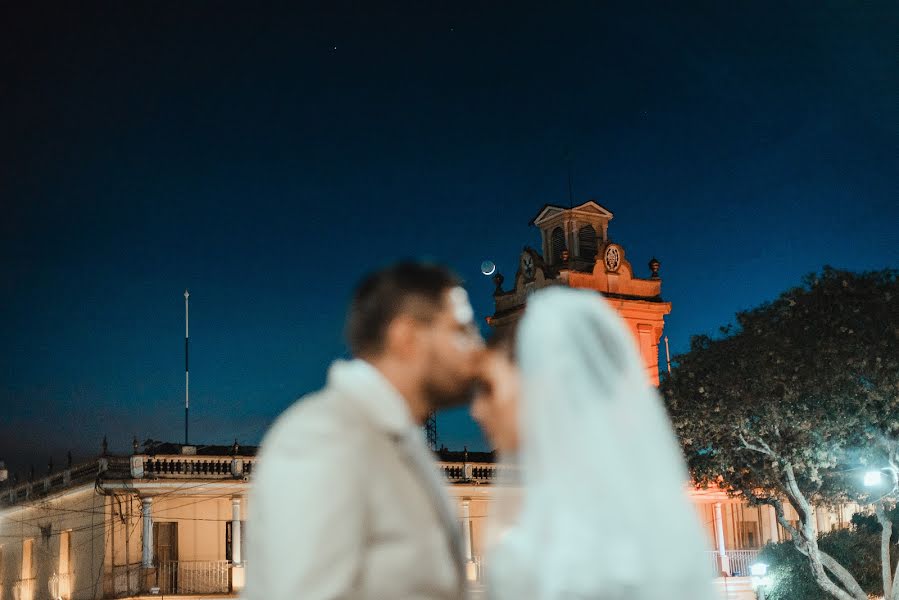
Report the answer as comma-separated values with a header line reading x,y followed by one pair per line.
x,y
465,472
179,466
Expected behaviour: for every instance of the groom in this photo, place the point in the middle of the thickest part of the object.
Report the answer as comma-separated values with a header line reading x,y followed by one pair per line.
x,y
347,501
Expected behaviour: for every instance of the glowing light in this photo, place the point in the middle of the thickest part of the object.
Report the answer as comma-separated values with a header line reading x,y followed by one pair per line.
x,y
873,478
488,268
760,579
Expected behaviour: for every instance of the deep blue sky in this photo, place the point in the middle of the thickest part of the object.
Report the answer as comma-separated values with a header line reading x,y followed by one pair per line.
x,y
266,158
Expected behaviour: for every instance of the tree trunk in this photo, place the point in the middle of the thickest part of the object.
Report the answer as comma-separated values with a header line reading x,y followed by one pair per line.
x,y
841,573
895,593
886,533
808,538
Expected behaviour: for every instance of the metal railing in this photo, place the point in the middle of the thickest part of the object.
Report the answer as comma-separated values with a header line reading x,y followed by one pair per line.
x,y
123,580
711,558
741,560
194,577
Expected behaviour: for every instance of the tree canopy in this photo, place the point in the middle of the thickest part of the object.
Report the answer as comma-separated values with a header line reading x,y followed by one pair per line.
x,y
796,401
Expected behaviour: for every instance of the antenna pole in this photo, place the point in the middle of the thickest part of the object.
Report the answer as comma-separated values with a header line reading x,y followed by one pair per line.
x,y
186,369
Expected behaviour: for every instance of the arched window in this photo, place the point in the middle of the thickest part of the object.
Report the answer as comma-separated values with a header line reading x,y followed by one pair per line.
x,y
586,237
557,244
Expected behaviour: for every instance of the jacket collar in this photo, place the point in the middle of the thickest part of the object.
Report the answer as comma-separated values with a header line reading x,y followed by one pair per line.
x,y
372,393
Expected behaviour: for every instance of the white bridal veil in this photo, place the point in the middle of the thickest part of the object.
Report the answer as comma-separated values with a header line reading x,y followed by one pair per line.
x,y
597,508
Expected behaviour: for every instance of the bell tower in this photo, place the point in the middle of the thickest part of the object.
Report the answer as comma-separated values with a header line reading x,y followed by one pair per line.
x,y
577,252
573,235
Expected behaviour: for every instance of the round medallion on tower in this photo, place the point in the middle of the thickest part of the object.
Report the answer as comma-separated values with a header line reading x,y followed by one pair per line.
x,y
612,257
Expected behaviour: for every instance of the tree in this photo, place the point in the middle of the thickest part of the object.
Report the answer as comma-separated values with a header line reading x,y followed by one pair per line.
x,y
791,577
794,403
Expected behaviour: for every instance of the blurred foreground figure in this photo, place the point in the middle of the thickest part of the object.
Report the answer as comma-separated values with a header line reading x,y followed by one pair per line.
x,y
347,500
593,504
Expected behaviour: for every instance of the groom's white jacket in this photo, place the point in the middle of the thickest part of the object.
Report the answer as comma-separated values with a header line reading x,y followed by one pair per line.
x,y
347,501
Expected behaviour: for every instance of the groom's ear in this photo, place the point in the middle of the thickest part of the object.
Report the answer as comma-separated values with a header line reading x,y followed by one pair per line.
x,y
401,337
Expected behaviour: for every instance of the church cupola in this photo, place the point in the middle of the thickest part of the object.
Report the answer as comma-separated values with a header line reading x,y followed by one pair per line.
x,y
573,236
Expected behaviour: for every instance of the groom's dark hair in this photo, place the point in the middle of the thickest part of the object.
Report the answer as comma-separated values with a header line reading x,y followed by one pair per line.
x,y
409,287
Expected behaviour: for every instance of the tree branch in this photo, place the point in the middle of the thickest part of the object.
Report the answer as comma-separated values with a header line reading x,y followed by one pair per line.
x,y
799,502
763,448
782,519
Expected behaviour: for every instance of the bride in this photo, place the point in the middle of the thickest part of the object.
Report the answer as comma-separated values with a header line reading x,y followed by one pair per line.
x,y
594,503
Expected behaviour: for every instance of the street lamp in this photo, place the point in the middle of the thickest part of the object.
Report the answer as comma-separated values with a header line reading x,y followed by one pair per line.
x,y
760,579
873,478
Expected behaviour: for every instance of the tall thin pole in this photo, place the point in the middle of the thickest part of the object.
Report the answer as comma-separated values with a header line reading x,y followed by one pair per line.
x,y
667,354
186,369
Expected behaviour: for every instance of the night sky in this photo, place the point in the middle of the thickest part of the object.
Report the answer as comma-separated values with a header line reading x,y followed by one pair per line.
x,y
267,158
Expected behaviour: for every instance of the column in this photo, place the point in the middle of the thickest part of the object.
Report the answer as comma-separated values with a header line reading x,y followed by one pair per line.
x,y
471,571
147,550
775,534
575,240
238,577
822,520
235,531
723,562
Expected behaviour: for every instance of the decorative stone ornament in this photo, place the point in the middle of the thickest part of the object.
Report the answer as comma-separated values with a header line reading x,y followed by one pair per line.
x,y
612,258
498,280
137,467
527,266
